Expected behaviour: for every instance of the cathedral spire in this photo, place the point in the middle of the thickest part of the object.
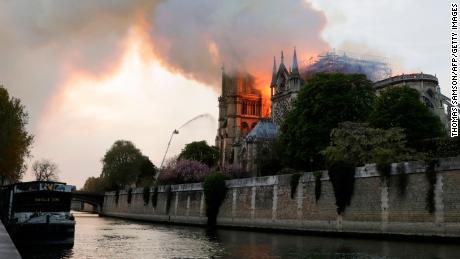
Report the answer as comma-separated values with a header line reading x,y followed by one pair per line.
x,y
274,71
295,66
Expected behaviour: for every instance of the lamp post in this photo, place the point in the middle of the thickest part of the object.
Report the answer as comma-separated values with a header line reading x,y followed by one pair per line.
x,y
166,152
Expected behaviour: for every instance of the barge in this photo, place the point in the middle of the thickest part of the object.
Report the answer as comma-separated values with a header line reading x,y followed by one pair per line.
x,y
38,213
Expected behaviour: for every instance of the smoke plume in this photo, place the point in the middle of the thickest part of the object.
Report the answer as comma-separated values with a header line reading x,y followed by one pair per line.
x,y
76,67
197,37
47,40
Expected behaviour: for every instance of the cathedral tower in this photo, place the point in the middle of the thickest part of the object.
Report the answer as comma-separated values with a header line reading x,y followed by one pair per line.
x,y
240,108
284,87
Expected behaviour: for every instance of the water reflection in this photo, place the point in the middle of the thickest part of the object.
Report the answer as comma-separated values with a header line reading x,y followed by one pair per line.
x,y
98,237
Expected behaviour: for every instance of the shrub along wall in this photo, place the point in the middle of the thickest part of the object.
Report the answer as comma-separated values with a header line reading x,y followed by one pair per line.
x,y
377,204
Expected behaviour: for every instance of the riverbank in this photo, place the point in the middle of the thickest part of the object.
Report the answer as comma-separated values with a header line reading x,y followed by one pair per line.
x,y
377,207
7,248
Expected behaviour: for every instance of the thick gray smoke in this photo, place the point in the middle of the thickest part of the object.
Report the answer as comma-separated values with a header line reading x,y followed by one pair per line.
x,y
197,37
40,39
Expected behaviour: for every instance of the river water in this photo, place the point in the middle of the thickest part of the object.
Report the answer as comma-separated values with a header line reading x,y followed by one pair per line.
x,y
102,237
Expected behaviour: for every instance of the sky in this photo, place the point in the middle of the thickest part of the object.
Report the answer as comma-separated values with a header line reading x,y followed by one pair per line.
x,y
93,72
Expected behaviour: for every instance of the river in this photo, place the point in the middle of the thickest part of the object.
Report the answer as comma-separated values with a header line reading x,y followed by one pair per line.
x,y
102,237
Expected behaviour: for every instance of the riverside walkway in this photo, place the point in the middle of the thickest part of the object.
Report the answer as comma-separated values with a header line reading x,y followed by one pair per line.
x,y
7,248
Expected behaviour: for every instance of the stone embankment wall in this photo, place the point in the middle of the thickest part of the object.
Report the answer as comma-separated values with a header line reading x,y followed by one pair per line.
x,y
377,206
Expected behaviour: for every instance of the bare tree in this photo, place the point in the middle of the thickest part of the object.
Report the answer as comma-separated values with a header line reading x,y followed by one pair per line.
x,y
45,170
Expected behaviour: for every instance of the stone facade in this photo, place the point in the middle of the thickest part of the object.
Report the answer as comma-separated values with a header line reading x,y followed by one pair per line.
x,y
265,202
285,86
240,108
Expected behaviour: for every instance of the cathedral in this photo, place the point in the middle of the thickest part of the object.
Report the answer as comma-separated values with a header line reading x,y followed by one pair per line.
x,y
243,128
245,132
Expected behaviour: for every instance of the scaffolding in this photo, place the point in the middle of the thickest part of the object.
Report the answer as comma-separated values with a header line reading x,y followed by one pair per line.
x,y
374,67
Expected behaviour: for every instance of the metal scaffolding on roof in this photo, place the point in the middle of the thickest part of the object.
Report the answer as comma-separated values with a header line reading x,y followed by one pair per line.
x,y
375,68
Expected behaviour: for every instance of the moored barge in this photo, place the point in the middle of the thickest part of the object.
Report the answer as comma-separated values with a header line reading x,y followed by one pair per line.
x,y
38,213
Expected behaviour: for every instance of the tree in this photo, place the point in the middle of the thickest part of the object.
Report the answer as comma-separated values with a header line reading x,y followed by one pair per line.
x,y
214,190
121,165
94,184
200,151
183,171
355,144
147,173
358,144
322,104
15,141
45,170
401,107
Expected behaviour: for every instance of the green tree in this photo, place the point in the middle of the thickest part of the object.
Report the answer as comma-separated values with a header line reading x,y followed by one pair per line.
x,y
15,141
214,190
267,158
401,107
94,184
322,104
200,151
121,165
358,144
147,172
355,144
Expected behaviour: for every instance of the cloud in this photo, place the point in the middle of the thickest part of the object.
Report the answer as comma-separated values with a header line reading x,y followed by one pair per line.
x,y
413,35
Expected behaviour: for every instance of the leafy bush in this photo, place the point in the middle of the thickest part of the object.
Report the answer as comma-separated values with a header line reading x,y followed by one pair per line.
x,y
117,196
130,195
214,193
384,169
318,183
402,179
342,176
168,198
430,173
184,171
439,147
155,196
146,195
294,183
358,144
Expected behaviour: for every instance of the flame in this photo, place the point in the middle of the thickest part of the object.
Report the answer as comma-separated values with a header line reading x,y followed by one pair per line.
x,y
263,85
138,51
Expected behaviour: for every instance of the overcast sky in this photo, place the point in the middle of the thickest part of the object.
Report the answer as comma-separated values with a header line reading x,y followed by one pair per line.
x,y
92,72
